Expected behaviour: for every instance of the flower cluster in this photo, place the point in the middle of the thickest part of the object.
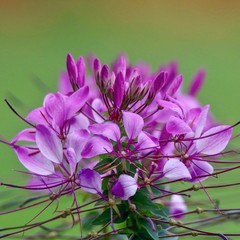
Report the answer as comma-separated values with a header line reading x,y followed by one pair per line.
x,y
121,136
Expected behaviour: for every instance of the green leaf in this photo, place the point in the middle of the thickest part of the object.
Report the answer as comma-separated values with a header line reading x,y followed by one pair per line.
x,y
145,205
105,217
145,231
154,192
105,184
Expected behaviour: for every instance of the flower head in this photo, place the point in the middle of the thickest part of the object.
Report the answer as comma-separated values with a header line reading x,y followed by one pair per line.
x,y
122,135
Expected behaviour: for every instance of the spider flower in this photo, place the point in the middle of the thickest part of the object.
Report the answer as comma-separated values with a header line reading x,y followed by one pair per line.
x,y
101,129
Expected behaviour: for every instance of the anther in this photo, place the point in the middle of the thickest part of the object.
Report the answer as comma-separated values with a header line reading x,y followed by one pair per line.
x,y
195,187
52,196
199,210
66,213
194,234
172,222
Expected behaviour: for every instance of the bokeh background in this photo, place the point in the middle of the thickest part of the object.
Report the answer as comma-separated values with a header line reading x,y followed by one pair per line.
x,y
35,37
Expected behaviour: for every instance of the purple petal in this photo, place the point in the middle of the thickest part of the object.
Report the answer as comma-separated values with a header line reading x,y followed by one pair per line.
x,y
98,105
175,169
125,187
200,168
202,121
120,64
90,181
71,67
97,145
78,122
36,116
146,142
217,142
175,85
96,66
104,75
35,163
81,68
133,124
42,183
171,106
193,117
71,156
76,101
55,107
197,82
177,126
160,80
64,84
25,135
177,206
77,141
107,129
172,72
118,90
49,144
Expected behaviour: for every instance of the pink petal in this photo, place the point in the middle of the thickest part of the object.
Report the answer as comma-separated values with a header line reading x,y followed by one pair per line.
x,y
177,206
171,106
90,181
146,142
78,122
197,82
202,121
77,141
35,163
133,124
64,85
98,105
193,116
175,169
200,168
120,64
71,67
81,67
159,81
97,145
55,107
177,126
107,129
125,187
25,135
71,156
36,116
76,101
118,90
49,144
217,142
175,85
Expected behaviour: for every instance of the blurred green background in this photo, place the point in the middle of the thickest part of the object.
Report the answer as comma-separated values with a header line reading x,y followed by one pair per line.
x,y
35,37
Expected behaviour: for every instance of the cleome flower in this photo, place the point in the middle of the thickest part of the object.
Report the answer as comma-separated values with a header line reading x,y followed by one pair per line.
x,y
113,141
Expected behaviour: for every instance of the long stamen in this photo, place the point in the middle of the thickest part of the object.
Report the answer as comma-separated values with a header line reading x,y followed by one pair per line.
x,y
14,111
